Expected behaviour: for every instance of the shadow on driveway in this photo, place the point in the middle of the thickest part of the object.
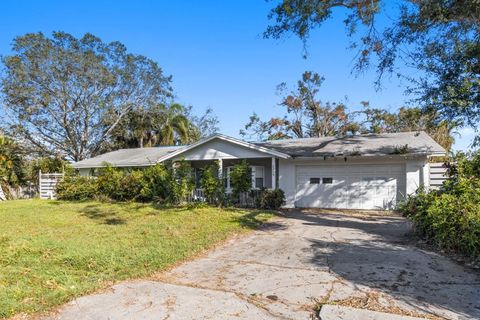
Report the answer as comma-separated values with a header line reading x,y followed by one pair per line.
x,y
375,252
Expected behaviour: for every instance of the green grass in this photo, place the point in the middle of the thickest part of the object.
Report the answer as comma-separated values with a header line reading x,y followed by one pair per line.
x,y
52,251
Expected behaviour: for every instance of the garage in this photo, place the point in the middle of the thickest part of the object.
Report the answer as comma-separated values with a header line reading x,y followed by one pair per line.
x,y
349,186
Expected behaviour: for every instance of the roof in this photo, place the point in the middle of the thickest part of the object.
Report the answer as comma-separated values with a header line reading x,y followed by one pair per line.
x,y
408,143
417,142
127,157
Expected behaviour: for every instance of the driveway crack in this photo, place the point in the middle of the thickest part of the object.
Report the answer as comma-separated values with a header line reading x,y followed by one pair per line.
x,y
248,299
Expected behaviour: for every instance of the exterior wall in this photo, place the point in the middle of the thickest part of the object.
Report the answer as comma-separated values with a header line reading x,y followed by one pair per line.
x,y
416,172
84,171
287,180
417,175
220,149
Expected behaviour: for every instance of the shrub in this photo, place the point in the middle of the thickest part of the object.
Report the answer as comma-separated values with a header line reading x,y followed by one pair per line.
x,y
240,178
182,182
109,181
213,186
271,199
119,184
131,186
77,188
450,217
155,184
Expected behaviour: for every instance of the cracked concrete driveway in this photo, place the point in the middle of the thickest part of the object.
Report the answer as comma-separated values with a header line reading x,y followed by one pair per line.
x,y
293,263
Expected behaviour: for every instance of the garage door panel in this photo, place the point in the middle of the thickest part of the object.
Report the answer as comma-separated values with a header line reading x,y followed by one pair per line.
x,y
353,186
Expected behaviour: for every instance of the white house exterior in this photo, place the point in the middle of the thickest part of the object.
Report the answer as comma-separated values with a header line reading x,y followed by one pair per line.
x,y
371,171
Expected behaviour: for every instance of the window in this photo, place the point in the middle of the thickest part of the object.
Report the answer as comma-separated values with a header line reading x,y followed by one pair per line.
x,y
327,180
228,183
257,177
314,180
198,172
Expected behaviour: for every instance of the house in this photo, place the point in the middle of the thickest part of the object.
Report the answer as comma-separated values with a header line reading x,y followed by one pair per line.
x,y
371,171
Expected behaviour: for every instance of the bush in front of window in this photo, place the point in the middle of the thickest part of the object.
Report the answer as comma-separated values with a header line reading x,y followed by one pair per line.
x,y
271,199
212,186
240,178
183,181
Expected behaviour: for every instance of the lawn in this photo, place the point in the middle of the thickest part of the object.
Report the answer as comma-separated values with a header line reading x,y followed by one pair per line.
x,y
52,251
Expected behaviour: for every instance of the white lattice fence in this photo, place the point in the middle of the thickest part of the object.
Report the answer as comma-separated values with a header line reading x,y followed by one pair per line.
x,y
47,184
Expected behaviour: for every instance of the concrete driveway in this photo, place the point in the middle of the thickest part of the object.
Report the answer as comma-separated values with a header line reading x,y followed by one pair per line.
x,y
292,265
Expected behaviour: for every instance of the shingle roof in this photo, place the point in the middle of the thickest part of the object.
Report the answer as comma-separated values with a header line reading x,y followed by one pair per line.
x,y
358,145
363,145
127,157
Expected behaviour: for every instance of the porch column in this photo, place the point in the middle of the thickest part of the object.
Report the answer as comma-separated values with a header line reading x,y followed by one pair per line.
x,y
220,168
274,173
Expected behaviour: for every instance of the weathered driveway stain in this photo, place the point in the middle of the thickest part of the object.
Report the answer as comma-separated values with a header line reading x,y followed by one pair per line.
x,y
290,266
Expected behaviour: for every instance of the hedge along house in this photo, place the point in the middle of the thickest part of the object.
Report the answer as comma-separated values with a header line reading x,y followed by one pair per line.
x,y
371,171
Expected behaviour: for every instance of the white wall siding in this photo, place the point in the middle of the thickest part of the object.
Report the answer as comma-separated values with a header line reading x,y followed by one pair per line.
x,y
437,174
287,181
416,174
84,172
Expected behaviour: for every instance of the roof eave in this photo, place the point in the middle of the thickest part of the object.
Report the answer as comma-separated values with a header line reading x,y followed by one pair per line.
x,y
143,164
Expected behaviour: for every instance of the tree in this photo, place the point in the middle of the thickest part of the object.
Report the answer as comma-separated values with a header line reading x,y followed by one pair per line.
x,y
11,163
58,91
408,119
439,39
202,126
307,116
157,125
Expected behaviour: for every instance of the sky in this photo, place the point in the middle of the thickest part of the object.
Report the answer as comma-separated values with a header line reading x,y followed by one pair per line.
x,y
215,52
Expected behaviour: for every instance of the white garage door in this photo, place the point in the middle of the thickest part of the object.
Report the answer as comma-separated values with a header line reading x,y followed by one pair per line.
x,y
350,186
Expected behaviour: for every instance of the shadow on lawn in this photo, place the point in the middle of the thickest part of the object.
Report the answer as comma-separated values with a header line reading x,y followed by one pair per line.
x,y
252,221
103,215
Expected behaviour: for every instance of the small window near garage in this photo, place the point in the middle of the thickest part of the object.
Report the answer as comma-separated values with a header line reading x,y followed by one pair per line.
x,y
314,180
327,180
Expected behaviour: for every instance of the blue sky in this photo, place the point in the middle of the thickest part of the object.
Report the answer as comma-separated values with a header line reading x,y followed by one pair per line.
x,y
214,50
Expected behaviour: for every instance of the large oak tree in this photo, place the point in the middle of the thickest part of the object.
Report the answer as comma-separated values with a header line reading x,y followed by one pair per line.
x,y
439,39
57,91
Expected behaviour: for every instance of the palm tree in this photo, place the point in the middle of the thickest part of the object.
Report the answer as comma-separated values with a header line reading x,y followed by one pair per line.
x,y
172,125
154,125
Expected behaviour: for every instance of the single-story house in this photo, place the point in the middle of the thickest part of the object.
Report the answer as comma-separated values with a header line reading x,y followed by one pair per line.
x,y
371,171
